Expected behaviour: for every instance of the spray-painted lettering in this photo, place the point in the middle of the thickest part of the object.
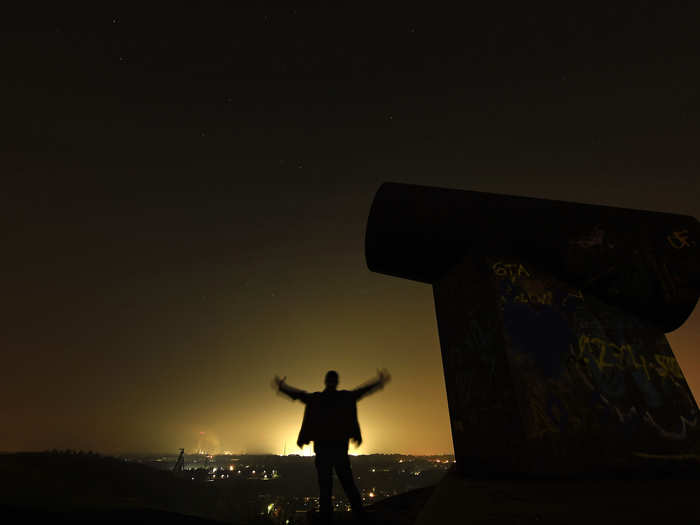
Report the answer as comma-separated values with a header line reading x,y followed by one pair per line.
x,y
512,271
668,366
594,238
578,294
596,348
679,240
534,298
606,354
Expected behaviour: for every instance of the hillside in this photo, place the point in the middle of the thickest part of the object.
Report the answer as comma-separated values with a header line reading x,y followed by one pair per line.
x,y
65,488
66,483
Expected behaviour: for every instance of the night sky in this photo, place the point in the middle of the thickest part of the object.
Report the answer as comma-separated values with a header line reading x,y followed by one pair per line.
x,y
185,194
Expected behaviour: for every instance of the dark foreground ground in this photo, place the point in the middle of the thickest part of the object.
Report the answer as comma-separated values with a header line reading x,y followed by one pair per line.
x,y
67,488
107,494
399,510
457,500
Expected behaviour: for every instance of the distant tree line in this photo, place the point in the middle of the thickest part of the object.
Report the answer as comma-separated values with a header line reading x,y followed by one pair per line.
x,y
72,452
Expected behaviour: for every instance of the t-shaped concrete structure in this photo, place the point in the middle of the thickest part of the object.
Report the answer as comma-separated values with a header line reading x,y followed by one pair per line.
x,y
551,318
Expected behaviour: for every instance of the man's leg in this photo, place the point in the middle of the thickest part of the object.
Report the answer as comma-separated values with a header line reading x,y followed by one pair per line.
x,y
324,469
344,471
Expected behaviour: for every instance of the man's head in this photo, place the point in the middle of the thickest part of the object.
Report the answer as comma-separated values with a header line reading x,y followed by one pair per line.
x,y
331,380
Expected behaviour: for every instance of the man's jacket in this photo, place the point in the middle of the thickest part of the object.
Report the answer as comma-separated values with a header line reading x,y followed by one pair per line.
x,y
330,415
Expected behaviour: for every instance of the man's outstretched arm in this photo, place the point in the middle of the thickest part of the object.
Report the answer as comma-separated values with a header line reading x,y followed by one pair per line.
x,y
294,393
383,377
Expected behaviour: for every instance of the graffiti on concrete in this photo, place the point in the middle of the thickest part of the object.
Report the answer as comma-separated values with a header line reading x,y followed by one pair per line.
x,y
576,359
512,271
679,240
594,238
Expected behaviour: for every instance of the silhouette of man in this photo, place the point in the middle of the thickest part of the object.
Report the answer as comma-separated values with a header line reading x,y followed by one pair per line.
x,y
330,421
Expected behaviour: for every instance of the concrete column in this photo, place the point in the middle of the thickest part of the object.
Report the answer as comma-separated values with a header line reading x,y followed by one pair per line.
x,y
551,319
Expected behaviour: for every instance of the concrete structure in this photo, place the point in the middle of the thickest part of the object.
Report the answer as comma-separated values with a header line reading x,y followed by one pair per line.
x,y
551,318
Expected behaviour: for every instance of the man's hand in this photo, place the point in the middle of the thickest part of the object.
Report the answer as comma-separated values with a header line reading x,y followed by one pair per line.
x,y
277,382
373,385
383,376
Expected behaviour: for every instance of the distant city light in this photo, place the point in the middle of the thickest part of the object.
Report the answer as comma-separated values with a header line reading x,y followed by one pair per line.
x,y
218,468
